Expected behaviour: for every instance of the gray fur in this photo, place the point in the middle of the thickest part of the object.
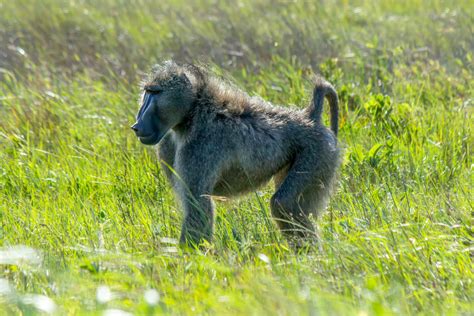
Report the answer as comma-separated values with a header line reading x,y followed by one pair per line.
x,y
222,142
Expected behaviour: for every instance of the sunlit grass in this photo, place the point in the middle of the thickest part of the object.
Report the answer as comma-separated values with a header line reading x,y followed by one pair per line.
x,y
89,224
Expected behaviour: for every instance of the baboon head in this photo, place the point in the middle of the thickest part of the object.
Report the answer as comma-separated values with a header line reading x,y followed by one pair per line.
x,y
166,100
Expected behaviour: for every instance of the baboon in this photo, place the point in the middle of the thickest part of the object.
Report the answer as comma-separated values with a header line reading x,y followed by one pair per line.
x,y
216,140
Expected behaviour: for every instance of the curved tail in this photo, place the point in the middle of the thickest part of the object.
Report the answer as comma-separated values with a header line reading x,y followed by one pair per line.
x,y
325,89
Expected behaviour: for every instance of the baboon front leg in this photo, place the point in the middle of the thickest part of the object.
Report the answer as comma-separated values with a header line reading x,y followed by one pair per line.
x,y
195,184
198,223
167,153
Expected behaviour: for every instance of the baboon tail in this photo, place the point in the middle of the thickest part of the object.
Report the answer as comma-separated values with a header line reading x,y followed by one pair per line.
x,y
325,89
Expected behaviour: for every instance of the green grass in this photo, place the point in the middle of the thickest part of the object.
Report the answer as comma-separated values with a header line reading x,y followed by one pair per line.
x,y
92,205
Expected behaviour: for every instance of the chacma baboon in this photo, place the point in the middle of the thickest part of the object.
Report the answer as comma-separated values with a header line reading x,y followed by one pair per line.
x,y
215,140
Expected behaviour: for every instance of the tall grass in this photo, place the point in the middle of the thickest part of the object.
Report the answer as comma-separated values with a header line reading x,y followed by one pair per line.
x,y
88,222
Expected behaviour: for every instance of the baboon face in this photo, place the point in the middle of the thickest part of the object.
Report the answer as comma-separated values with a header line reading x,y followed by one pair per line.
x,y
165,103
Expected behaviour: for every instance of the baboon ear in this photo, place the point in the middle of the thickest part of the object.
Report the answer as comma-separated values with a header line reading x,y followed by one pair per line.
x,y
184,78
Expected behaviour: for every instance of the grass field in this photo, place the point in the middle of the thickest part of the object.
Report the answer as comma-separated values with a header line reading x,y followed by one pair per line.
x,y
89,224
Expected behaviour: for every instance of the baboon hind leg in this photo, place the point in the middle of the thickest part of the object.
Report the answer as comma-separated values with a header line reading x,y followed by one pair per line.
x,y
301,193
280,176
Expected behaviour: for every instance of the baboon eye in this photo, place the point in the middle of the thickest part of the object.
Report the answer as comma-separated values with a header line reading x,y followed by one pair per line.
x,y
153,89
